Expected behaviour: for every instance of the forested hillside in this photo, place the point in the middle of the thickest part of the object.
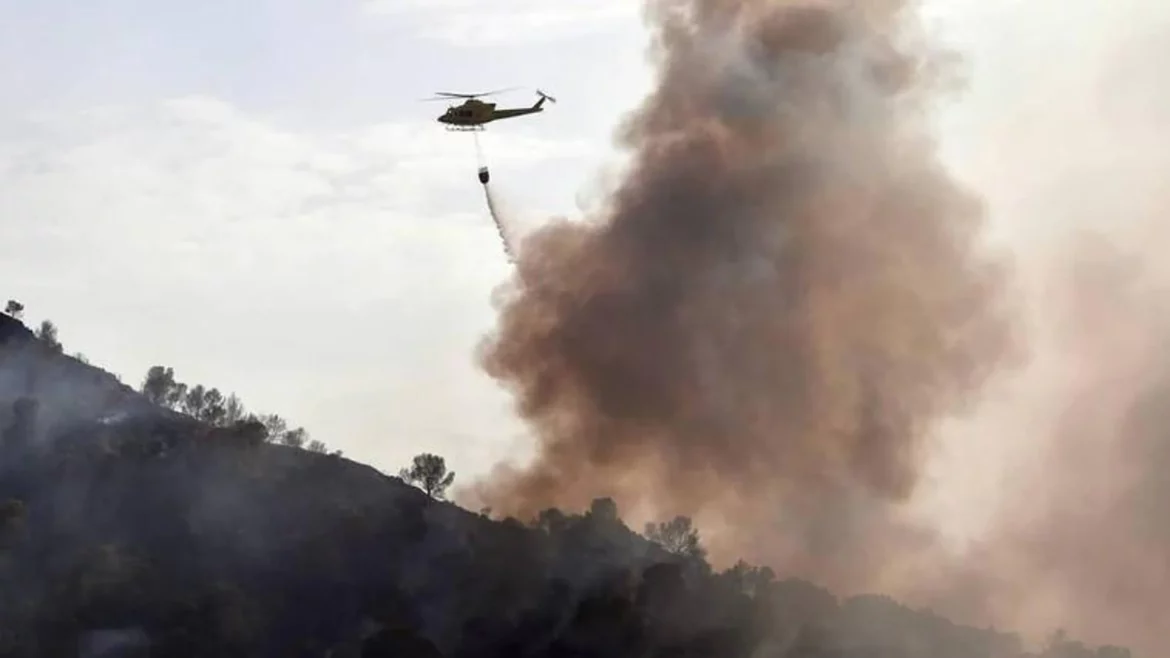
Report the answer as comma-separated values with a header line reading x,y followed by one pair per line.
x,y
165,519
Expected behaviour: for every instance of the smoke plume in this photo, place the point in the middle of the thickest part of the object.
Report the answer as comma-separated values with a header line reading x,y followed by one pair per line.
x,y
1086,545
778,304
1080,539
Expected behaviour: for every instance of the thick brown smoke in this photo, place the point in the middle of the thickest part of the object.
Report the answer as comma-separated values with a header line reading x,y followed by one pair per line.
x,y
779,303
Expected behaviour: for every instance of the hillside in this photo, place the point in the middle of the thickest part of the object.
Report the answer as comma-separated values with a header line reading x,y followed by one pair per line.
x,y
131,528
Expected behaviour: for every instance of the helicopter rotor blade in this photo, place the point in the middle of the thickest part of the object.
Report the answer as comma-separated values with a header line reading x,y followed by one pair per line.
x,y
448,94
493,93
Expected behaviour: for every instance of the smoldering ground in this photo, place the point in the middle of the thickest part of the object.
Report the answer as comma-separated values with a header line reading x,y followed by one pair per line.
x,y
778,303
788,294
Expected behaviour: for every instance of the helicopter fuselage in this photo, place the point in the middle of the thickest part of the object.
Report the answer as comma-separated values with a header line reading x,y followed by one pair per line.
x,y
477,113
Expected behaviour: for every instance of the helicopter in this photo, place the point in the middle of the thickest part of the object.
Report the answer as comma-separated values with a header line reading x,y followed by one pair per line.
x,y
473,113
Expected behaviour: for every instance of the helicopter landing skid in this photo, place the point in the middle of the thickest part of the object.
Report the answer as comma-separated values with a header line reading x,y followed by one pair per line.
x,y
464,129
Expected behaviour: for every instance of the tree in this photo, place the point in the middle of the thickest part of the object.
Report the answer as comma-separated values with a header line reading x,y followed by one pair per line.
x,y
192,402
249,431
604,509
160,387
14,309
749,579
233,410
157,383
47,334
276,426
295,438
429,473
677,536
211,406
206,405
551,520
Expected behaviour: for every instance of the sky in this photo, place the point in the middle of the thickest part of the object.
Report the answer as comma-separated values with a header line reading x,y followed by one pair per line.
x,y
254,194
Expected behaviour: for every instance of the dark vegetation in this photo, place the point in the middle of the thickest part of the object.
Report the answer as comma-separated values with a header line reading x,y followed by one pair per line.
x,y
170,522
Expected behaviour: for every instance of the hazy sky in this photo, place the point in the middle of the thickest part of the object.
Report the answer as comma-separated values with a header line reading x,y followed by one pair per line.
x,y
252,193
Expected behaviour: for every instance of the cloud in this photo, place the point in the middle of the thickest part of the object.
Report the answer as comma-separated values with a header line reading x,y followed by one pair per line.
x,y
317,273
474,23
195,174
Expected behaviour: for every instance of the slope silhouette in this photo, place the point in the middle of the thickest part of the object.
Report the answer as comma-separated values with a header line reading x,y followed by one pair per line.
x,y
128,529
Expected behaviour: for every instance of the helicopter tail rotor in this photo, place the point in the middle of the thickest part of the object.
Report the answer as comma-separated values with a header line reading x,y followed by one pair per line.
x,y
545,96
